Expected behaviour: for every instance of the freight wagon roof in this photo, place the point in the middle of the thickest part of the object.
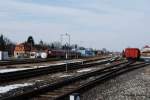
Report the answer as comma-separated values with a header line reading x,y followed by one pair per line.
x,y
132,48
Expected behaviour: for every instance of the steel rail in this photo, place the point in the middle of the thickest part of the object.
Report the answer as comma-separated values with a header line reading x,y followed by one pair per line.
x,y
61,83
38,60
100,79
17,75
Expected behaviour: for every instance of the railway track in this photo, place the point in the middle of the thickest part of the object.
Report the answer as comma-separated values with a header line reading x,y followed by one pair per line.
x,y
84,85
61,89
39,60
25,61
22,74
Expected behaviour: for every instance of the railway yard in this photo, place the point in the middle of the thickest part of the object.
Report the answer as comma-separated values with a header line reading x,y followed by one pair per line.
x,y
74,50
96,78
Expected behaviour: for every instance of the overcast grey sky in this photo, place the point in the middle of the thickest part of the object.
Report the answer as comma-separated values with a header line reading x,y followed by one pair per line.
x,y
113,24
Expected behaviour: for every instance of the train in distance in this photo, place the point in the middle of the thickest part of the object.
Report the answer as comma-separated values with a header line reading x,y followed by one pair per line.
x,y
131,53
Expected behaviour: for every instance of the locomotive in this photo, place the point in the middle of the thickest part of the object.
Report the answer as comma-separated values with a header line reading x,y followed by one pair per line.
x,y
69,54
62,54
131,53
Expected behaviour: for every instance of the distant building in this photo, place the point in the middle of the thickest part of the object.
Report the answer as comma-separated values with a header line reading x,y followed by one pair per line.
x,y
86,52
22,50
145,51
4,55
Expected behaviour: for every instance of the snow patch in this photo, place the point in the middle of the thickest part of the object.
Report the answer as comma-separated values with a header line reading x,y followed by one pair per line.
x,y
101,61
13,70
39,66
39,80
107,64
49,65
65,75
84,70
57,64
76,61
4,89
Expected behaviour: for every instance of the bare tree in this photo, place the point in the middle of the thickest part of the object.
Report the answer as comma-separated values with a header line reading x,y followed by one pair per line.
x,y
30,40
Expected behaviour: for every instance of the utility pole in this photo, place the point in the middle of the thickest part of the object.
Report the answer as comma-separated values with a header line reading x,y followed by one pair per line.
x,y
66,49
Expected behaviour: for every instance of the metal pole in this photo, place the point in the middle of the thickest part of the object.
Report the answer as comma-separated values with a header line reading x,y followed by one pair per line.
x,y
69,45
61,38
69,38
66,56
67,50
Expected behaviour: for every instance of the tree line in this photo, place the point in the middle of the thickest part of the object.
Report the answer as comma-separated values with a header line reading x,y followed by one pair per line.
x,y
7,45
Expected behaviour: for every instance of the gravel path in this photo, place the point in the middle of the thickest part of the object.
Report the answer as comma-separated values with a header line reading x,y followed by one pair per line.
x,y
133,85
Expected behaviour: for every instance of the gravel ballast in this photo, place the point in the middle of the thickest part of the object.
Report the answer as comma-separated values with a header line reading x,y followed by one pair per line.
x,y
134,85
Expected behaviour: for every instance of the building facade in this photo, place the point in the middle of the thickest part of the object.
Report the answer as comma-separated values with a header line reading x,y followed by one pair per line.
x,y
22,50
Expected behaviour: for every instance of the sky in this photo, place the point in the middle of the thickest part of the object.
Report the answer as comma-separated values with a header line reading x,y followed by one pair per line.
x,y
111,24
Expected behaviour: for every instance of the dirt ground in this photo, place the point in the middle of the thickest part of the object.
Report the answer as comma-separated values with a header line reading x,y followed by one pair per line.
x,y
134,85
